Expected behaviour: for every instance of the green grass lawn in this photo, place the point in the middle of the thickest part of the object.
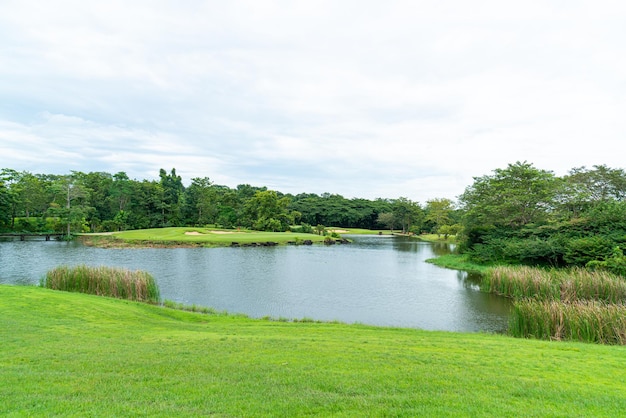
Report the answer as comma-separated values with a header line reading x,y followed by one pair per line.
x,y
201,236
436,238
80,355
459,262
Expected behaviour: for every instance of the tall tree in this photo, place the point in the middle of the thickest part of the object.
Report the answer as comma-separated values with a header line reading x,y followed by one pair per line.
x,y
514,196
201,201
407,213
438,211
69,204
5,206
121,190
173,189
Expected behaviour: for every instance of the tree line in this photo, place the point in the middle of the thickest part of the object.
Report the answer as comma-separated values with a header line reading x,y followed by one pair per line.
x,y
102,202
525,215
516,215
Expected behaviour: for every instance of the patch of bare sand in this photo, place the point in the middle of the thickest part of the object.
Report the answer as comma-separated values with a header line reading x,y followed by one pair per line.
x,y
222,232
339,231
193,233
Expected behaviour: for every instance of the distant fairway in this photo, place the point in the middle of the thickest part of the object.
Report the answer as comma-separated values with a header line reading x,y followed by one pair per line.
x,y
197,236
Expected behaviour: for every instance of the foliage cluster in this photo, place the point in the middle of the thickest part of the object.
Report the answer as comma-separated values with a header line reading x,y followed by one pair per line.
x,y
525,215
104,281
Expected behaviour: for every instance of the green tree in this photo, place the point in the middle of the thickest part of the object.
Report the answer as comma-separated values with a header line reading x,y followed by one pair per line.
x,y
173,189
268,212
69,204
5,206
201,200
438,212
583,188
407,214
387,220
507,200
121,190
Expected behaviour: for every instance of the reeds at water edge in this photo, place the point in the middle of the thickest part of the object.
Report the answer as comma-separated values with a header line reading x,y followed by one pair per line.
x,y
568,285
562,304
104,281
585,321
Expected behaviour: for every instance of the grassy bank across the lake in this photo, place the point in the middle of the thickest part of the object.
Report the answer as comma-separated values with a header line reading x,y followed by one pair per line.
x,y
83,355
188,236
450,239
458,262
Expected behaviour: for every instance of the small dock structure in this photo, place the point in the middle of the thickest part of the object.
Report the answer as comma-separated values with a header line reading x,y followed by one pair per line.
x,y
32,236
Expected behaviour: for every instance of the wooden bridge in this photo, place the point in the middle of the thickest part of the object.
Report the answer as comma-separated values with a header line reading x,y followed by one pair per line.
x,y
33,236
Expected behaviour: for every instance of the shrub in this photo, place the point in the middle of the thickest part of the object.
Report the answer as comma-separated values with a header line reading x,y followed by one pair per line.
x,y
615,264
580,251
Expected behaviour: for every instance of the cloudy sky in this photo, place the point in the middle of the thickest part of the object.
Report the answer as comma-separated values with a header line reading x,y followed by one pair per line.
x,y
361,98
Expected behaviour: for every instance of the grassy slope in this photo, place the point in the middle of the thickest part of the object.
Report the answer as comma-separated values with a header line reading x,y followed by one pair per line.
x,y
82,355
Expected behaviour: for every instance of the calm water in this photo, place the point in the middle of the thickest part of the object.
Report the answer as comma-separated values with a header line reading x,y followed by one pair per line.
x,y
376,280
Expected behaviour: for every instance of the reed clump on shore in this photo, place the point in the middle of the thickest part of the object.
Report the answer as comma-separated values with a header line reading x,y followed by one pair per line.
x,y
585,321
568,285
572,304
104,281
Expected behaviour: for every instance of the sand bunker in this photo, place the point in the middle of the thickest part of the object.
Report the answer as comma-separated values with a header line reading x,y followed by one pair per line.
x,y
210,232
339,231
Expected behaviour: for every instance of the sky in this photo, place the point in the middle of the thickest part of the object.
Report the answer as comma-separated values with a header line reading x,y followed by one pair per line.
x,y
366,99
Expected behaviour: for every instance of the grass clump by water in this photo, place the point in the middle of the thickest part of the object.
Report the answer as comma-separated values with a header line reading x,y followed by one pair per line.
x,y
104,281
520,282
585,321
571,304
568,285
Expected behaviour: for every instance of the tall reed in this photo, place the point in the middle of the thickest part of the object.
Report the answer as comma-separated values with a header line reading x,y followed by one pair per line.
x,y
520,282
567,285
581,284
104,281
585,321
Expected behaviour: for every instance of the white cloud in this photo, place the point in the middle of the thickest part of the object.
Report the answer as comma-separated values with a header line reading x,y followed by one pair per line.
x,y
361,98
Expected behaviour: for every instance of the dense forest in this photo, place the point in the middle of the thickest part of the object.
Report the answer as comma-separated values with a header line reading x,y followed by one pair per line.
x,y
100,202
517,215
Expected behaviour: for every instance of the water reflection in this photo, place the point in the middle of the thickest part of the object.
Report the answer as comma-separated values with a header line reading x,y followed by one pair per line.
x,y
378,280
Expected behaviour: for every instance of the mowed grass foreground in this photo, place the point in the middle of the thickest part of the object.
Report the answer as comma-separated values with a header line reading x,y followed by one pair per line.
x,y
84,355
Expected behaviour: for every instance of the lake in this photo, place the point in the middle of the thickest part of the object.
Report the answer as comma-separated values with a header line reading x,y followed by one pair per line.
x,y
376,280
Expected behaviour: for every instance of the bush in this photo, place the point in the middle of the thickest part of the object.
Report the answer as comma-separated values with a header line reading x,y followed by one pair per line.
x,y
579,252
615,264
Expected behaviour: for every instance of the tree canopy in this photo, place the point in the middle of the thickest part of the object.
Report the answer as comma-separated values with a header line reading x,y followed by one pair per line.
x,y
522,214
